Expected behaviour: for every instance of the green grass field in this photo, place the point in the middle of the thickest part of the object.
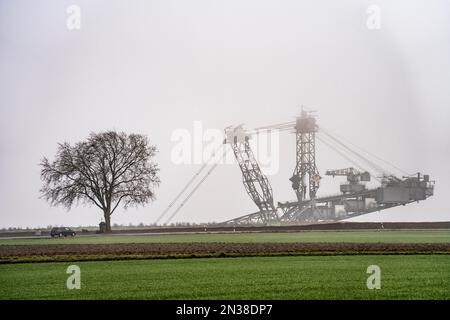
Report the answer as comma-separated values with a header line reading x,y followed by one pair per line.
x,y
308,236
300,277
282,277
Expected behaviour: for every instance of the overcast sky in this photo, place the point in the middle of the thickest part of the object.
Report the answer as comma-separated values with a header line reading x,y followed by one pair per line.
x,y
154,67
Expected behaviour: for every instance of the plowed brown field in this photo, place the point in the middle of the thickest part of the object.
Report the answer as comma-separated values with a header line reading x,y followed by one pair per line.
x,y
63,252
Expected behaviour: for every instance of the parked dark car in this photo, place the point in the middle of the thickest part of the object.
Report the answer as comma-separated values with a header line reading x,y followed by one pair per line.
x,y
62,232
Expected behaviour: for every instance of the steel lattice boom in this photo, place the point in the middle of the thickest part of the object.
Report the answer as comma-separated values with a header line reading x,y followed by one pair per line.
x,y
354,199
255,182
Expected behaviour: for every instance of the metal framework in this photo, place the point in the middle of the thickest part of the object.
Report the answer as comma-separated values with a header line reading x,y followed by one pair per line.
x,y
393,192
305,136
353,200
255,182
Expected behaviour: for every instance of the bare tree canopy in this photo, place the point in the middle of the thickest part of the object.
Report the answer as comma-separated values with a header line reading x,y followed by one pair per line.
x,y
108,169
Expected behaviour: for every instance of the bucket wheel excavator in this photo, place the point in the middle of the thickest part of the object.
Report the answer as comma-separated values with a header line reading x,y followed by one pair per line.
x,y
355,197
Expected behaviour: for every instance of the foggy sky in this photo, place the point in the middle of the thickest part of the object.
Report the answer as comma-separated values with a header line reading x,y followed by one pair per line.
x,y
153,67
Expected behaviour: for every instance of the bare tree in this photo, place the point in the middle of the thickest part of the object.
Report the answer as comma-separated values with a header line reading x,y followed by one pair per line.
x,y
108,169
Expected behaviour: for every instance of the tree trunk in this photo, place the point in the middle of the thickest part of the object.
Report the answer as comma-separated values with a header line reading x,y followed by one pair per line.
x,y
107,215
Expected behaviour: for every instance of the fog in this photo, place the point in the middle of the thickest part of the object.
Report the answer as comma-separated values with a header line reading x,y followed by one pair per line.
x,y
155,67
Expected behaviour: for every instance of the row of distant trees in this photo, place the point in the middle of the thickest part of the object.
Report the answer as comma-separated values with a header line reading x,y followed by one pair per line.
x,y
117,226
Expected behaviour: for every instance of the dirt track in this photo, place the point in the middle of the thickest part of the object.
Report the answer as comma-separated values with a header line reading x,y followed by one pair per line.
x,y
71,251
